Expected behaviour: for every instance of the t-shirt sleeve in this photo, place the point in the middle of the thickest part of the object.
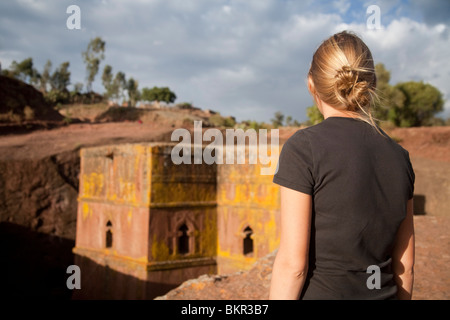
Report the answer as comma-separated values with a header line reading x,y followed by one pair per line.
x,y
411,176
295,165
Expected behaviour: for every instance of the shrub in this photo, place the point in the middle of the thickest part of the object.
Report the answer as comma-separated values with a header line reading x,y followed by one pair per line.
x,y
218,121
28,113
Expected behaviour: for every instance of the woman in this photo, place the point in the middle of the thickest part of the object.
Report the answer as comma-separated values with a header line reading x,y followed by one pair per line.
x,y
346,191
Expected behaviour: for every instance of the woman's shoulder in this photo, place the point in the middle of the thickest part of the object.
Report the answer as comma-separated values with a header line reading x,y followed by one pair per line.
x,y
305,137
306,134
395,144
298,138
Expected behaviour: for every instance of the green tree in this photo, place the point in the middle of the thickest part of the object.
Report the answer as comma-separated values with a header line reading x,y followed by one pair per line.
x,y
389,97
60,79
23,70
252,124
45,77
92,58
314,115
107,80
158,94
422,102
35,78
7,73
289,121
78,87
118,86
133,92
406,104
278,119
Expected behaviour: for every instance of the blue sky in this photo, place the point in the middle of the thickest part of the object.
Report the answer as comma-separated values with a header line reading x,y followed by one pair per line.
x,y
246,58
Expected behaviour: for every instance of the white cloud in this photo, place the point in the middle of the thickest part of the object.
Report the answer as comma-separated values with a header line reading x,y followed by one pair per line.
x,y
226,9
35,5
341,6
243,58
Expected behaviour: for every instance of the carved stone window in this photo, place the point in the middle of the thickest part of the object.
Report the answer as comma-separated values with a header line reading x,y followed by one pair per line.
x,y
183,239
248,241
109,235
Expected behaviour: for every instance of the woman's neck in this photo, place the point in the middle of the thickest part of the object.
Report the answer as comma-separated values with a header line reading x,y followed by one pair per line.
x,y
328,111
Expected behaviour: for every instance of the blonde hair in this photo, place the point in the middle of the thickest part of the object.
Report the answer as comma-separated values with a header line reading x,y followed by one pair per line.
x,y
343,75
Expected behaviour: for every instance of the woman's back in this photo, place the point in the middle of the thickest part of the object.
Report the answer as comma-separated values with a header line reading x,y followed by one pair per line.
x,y
360,181
346,190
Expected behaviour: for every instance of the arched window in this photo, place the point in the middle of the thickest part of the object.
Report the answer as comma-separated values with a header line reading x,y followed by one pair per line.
x,y
109,235
183,239
248,241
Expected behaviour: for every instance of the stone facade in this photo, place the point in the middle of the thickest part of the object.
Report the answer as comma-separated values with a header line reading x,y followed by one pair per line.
x,y
143,217
248,205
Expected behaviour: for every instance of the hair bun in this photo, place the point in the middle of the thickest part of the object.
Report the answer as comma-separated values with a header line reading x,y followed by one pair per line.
x,y
342,75
349,90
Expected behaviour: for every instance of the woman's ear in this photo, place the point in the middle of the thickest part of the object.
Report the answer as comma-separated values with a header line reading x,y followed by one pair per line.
x,y
311,86
313,93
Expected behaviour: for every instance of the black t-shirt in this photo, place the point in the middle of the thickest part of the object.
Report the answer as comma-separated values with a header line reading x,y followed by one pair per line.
x,y
360,182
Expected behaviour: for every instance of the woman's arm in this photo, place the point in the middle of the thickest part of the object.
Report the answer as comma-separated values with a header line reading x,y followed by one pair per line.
x,y
403,255
291,263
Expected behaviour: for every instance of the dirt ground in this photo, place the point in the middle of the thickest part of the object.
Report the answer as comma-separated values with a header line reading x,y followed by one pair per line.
x,y
430,143
432,273
432,281
43,143
432,243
